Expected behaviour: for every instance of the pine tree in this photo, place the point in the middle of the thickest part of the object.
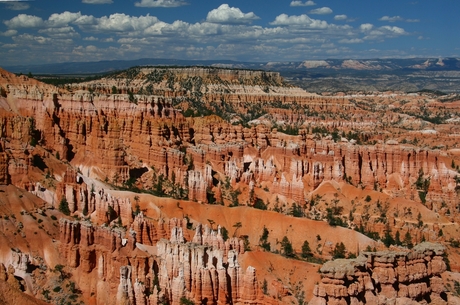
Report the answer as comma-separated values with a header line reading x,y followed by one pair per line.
x,y
339,251
64,207
398,239
263,241
286,247
408,240
306,250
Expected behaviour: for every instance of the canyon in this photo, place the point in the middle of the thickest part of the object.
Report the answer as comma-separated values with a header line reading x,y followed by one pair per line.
x,y
127,189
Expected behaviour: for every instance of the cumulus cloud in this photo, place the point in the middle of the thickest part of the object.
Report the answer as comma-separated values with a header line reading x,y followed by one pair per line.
x,y
24,21
385,32
227,14
62,19
160,3
300,3
97,1
227,32
31,39
397,18
340,17
302,20
366,27
391,19
62,32
393,29
90,38
353,40
116,23
321,11
8,33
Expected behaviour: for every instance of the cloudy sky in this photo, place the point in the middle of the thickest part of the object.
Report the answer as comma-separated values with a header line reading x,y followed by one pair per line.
x,y
48,31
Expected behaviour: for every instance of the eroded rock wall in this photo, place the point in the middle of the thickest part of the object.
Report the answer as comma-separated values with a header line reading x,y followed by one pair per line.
x,y
385,278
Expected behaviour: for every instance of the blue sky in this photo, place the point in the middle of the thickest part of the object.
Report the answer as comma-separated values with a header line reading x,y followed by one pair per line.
x,y
48,31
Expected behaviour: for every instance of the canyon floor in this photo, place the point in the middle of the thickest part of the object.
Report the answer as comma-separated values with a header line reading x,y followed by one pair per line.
x,y
200,185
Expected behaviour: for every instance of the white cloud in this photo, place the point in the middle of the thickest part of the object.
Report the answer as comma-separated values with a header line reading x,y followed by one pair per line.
x,y
90,38
385,32
116,23
227,14
97,1
62,19
30,39
17,6
321,11
226,33
353,40
160,3
24,21
86,20
393,29
302,20
300,3
391,19
8,33
366,27
62,32
397,18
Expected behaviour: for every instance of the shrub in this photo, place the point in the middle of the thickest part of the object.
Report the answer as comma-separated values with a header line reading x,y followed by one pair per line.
x,y
185,301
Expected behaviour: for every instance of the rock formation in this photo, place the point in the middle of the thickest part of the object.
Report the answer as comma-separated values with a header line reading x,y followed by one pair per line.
x,y
188,137
385,278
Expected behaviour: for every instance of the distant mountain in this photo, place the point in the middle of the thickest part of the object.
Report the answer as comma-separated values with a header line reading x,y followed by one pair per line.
x,y
114,65
408,64
328,75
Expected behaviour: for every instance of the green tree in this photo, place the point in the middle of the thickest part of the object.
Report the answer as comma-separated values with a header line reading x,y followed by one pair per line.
x,y
265,287
306,250
259,204
388,240
114,90
263,241
64,207
398,238
408,240
131,97
224,232
339,251
297,210
286,247
237,225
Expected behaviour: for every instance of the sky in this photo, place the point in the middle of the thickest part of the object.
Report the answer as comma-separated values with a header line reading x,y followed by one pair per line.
x,y
52,31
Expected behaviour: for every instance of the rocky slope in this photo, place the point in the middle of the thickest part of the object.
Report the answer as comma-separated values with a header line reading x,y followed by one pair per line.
x,y
136,168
